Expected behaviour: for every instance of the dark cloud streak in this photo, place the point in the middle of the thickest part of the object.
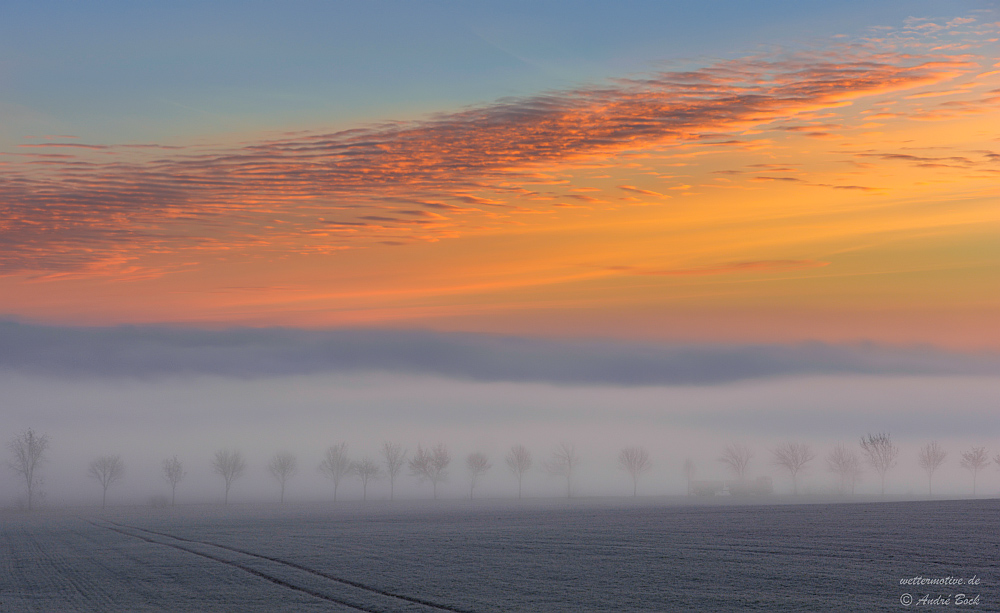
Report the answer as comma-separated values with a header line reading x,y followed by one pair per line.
x,y
156,352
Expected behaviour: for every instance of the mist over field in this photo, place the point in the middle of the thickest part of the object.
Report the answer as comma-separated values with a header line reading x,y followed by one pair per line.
x,y
132,393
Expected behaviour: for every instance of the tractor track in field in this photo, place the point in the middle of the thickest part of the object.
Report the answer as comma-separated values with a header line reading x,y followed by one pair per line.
x,y
140,533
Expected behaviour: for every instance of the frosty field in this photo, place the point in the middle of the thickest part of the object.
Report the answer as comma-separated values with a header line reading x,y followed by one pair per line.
x,y
499,556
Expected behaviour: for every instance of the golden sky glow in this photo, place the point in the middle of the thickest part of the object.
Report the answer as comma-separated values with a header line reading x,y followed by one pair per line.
x,y
846,193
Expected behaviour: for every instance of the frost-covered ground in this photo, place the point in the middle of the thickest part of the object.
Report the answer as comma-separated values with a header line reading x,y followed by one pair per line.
x,y
500,556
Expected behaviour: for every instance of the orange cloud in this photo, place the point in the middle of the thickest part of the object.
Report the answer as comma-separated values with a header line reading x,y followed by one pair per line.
x,y
645,192
725,268
63,213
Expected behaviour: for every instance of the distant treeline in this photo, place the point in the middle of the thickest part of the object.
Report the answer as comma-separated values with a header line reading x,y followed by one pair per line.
x,y
877,452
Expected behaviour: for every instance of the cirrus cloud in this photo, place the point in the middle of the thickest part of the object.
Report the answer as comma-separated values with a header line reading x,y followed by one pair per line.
x,y
84,207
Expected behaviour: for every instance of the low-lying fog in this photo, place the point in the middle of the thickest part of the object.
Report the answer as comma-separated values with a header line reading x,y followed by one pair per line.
x,y
146,420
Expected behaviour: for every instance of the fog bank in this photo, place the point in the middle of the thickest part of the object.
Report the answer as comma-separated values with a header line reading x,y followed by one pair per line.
x,y
150,351
146,421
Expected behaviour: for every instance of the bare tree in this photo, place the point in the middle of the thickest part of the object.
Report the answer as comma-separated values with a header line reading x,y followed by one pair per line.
x,y
563,463
395,458
881,454
737,456
793,457
231,465
107,469
519,462
930,458
478,464
975,460
845,463
431,465
420,464
173,472
366,470
283,466
634,461
689,470
28,450
336,465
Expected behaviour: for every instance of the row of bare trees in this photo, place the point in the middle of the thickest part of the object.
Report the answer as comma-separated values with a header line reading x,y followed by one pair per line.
x,y
28,451
877,451
427,464
431,464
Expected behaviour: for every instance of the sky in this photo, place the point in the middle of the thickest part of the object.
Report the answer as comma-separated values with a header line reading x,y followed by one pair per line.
x,y
718,205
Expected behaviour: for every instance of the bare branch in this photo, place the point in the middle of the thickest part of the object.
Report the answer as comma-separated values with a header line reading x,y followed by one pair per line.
x,y
478,464
231,465
793,457
395,458
336,465
431,465
283,466
975,460
930,458
107,470
366,470
173,472
635,461
881,454
563,463
28,450
519,462
736,457
846,463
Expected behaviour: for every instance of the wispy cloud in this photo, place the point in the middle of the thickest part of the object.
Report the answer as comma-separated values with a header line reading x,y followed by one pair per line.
x,y
762,266
156,352
644,192
86,204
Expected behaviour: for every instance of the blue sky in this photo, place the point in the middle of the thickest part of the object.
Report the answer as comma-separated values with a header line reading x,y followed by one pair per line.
x,y
127,72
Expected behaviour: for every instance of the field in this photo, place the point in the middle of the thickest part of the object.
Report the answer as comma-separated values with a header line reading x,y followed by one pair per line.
x,y
601,555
